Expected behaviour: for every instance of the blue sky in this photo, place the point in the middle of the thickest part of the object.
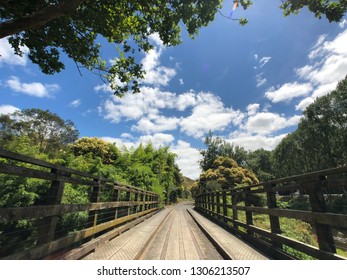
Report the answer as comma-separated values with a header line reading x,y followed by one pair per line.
x,y
248,84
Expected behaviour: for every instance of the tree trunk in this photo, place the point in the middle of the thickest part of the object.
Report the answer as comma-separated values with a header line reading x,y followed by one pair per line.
x,y
38,19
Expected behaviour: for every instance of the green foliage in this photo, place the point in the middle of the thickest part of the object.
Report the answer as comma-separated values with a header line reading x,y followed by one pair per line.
x,y
107,152
320,142
333,10
46,130
260,162
224,174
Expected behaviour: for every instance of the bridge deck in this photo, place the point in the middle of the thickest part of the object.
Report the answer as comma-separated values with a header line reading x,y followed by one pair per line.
x,y
173,234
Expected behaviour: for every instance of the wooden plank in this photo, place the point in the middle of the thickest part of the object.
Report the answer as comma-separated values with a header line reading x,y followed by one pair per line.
x,y
305,248
337,220
38,162
90,246
46,249
33,212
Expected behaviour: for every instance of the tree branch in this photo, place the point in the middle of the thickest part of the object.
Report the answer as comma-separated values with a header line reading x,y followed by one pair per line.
x,y
39,18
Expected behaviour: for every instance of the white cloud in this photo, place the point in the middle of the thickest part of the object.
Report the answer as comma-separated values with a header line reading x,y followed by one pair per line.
x,y
187,159
260,79
32,89
7,55
319,92
186,100
158,140
252,109
265,123
254,142
329,65
104,87
264,60
134,106
76,103
343,23
127,135
181,82
156,74
156,124
288,91
209,114
8,109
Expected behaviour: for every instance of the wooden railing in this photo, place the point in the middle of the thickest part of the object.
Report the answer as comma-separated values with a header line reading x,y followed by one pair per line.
x,y
235,210
111,208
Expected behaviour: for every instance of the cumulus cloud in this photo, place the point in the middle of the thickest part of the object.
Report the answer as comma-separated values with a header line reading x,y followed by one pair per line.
x,y
8,109
187,159
147,108
209,113
7,55
33,89
265,123
328,66
252,109
288,92
134,106
156,123
156,74
255,142
157,139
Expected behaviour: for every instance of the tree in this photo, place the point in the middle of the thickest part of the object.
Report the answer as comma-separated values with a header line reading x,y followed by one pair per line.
x,y
224,174
320,141
42,128
107,152
332,9
216,146
50,27
261,163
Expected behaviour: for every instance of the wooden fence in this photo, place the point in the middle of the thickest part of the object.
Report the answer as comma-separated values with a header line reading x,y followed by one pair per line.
x,y
236,208
111,208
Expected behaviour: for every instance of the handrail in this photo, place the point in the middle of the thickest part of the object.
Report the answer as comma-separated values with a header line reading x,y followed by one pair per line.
x,y
110,205
225,207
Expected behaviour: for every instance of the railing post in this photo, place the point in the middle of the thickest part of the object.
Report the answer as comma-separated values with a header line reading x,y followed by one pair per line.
x,y
225,208
116,195
94,197
127,198
135,207
274,220
141,200
48,225
324,233
234,205
249,216
218,204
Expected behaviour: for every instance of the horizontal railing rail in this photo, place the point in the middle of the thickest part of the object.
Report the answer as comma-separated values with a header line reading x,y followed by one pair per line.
x,y
36,231
235,209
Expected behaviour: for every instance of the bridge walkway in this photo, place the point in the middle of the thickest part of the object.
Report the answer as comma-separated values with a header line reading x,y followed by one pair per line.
x,y
175,233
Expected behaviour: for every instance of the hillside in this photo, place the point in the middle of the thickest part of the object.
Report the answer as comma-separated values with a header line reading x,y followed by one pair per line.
x,y
187,182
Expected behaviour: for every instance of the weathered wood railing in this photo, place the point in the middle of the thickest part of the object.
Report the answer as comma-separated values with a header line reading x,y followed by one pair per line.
x,y
233,209
111,207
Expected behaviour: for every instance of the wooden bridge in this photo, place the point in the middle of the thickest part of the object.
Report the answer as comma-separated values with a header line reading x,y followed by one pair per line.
x,y
123,222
